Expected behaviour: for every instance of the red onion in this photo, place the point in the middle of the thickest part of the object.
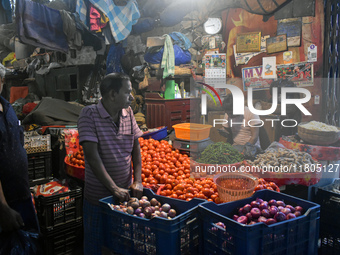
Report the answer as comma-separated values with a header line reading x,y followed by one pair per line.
x,y
286,211
272,202
291,208
291,216
255,213
235,217
255,204
246,208
297,213
262,219
280,216
242,219
299,208
166,207
249,216
263,205
265,213
273,210
281,203
270,221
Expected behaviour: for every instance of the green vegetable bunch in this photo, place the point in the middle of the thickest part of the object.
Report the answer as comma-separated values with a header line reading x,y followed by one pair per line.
x,y
220,153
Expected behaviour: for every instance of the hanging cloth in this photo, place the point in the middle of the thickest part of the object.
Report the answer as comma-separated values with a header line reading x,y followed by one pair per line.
x,y
40,26
81,9
122,18
113,61
97,20
168,59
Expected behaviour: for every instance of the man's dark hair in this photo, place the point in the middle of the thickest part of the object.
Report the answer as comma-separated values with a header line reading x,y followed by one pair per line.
x,y
283,83
112,81
228,102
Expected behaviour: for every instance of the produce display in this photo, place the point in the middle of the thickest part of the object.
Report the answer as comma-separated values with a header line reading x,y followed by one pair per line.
x,y
220,153
266,185
160,163
319,126
189,188
294,160
77,158
145,208
268,212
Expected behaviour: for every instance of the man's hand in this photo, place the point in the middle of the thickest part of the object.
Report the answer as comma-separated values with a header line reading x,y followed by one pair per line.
x,y
137,189
10,219
121,194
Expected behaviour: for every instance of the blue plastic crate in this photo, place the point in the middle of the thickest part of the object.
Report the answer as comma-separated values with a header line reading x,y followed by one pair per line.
x,y
329,199
157,135
127,234
295,236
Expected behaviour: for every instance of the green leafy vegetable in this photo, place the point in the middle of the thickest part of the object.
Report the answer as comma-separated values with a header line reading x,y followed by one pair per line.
x,y
220,153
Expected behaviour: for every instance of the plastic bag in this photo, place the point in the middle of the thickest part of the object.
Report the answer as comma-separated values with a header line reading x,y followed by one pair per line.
x,y
154,55
19,242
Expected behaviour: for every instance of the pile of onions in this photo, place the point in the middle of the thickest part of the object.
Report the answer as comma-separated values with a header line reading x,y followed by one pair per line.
x,y
146,208
268,212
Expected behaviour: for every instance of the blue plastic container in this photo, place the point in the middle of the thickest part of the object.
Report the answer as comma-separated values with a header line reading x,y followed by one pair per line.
x,y
157,135
296,236
329,201
128,234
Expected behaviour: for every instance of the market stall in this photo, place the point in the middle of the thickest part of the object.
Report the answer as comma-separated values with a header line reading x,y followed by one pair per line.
x,y
239,135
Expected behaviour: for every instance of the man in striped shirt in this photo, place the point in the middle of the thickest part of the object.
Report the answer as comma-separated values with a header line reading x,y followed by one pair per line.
x,y
109,135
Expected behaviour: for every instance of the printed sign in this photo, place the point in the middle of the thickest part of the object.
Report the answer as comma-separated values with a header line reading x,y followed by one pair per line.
x,y
300,73
269,67
312,53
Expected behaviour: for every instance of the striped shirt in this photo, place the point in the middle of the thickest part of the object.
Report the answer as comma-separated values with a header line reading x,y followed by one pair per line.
x,y
96,125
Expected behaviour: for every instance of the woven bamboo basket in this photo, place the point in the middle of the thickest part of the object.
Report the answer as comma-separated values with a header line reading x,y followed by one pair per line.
x,y
318,137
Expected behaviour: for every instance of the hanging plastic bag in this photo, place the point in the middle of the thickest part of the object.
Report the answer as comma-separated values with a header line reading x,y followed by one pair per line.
x,y
19,242
154,55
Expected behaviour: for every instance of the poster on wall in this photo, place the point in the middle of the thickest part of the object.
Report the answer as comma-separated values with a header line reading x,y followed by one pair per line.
x,y
292,28
287,57
301,74
248,42
252,78
277,44
243,58
269,67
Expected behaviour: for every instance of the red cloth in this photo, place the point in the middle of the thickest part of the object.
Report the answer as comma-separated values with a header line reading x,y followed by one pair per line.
x,y
27,108
17,92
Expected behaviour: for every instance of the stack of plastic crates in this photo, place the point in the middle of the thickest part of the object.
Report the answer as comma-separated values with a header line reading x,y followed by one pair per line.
x,y
60,219
128,234
291,237
329,199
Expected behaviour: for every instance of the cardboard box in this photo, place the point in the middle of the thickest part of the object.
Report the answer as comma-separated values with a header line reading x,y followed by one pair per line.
x,y
155,41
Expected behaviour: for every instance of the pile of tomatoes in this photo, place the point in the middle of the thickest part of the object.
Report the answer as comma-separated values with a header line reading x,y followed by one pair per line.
x,y
161,164
266,185
77,158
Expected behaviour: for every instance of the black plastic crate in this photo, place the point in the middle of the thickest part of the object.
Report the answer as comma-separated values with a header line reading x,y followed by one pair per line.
x,y
65,240
39,167
329,199
59,209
